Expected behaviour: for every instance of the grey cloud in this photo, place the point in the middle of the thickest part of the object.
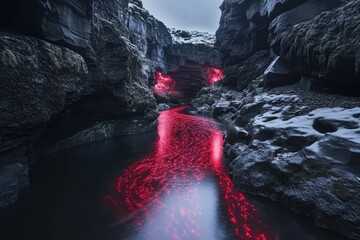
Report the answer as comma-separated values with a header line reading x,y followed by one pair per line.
x,y
200,15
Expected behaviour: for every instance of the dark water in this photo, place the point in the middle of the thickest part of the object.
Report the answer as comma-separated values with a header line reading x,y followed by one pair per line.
x,y
166,185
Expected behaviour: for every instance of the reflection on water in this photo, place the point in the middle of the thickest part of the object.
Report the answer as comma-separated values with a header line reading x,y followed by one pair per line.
x,y
176,191
170,186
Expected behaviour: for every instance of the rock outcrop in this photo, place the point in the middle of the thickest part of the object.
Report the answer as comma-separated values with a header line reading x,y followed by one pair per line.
x,y
38,80
63,22
149,35
250,26
327,48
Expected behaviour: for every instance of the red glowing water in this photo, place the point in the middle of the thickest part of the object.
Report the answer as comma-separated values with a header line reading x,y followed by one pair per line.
x,y
165,85
214,74
163,192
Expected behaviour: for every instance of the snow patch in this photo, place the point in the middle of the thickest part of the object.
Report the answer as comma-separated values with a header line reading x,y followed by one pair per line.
x,y
192,37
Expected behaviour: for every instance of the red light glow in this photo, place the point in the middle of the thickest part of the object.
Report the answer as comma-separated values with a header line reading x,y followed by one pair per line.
x,y
165,85
213,75
189,150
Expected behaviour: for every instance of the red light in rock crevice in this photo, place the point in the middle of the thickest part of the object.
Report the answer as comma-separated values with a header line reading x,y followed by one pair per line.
x,y
188,151
165,85
213,75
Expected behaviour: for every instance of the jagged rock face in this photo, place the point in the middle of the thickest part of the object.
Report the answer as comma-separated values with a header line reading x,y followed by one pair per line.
x,y
250,26
116,100
240,75
301,13
37,80
327,47
65,22
118,68
136,24
69,23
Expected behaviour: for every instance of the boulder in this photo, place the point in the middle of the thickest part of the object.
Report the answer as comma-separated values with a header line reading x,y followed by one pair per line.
x,y
235,134
278,74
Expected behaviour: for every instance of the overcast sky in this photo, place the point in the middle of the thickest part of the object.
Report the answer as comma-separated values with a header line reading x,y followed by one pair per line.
x,y
200,15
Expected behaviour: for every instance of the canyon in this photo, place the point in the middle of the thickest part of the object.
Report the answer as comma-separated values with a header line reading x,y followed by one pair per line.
x,y
283,75
79,72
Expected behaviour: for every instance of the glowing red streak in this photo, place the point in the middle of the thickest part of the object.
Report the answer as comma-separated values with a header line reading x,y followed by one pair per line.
x,y
189,148
214,74
165,85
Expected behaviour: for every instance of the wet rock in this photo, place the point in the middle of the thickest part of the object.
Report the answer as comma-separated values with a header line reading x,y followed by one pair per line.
x,y
278,74
163,107
100,132
119,69
303,149
272,8
235,134
221,108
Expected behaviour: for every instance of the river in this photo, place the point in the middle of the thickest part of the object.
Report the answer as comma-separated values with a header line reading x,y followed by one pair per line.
x,y
166,185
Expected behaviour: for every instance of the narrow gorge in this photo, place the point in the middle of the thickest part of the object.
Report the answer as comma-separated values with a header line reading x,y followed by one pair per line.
x,y
105,83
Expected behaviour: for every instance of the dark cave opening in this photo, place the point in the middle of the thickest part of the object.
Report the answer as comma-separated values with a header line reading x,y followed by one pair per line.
x,y
183,83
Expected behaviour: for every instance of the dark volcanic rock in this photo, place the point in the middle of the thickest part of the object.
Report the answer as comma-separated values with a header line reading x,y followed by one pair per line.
x,y
148,34
241,74
304,12
14,172
51,100
47,87
37,80
236,38
188,60
299,148
64,22
117,96
118,69
278,74
327,47
249,26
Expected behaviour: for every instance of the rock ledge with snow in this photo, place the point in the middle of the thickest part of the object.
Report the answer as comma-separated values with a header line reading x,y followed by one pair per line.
x,y
192,37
